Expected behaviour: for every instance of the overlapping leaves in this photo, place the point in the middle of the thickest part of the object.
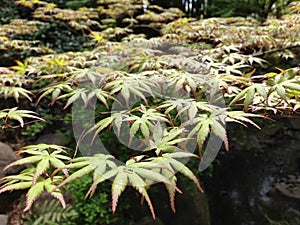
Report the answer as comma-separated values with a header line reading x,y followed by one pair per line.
x,y
118,74
16,114
47,160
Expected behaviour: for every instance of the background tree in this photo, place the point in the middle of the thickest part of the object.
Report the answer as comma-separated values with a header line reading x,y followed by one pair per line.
x,y
224,8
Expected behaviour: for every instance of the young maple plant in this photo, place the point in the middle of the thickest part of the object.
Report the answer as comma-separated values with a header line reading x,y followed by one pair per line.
x,y
171,94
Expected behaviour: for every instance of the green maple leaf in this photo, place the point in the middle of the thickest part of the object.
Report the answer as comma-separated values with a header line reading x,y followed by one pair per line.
x,y
25,180
17,114
43,156
97,164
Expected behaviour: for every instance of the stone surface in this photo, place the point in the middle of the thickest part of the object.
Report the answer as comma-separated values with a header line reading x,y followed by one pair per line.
x,y
3,219
289,186
7,155
148,221
52,138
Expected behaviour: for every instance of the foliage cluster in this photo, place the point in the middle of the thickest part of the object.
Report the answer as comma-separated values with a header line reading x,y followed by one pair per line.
x,y
256,8
60,30
185,85
49,213
259,9
8,11
95,210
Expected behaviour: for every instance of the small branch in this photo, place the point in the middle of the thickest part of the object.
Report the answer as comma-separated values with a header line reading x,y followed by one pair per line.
x,y
276,50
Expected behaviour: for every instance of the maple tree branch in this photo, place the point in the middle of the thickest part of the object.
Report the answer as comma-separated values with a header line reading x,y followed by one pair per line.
x,y
276,50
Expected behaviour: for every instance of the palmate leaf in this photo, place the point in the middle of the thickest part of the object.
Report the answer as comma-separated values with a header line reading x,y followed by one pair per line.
x,y
166,141
86,95
185,81
169,161
203,129
284,84
128,85
216,123
35,149
15,114
235,69
55,91
184,107
42,185
205,124
170,188
280,90
96,76
97,37
34,192
152,114
97,164
119,184
25,181
145,123
218,128
169,166
21,67
17,182
115,118
127,176
15,92
43,156
75,95
134,173
241,117
291,88
139,123
102,96
249,93
180,167
170,105
139,184
292,85
167,171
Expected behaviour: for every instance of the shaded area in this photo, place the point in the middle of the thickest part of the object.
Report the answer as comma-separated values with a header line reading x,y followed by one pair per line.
x,y
244,188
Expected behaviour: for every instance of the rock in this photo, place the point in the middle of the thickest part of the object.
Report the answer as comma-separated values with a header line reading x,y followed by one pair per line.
x,y
295,122
289,186
3,219
7,155
148,221
201,207
52,139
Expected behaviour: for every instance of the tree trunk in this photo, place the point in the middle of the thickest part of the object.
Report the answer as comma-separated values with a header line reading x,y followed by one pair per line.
x,y
178,4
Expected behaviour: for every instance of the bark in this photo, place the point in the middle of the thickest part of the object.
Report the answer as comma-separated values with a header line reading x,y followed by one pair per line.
x,y
178,4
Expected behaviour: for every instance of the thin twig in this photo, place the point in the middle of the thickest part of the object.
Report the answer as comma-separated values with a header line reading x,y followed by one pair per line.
x,y
276,50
